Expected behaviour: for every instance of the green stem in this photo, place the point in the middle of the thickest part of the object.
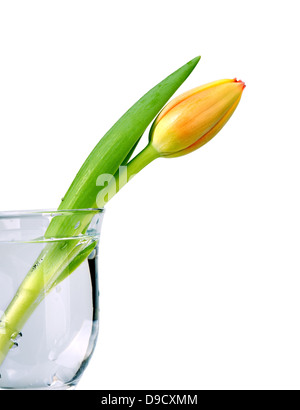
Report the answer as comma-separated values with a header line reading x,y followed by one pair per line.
x,y
126,173
141,161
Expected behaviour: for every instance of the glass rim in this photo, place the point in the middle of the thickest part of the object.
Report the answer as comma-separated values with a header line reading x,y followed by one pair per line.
x,y
49,212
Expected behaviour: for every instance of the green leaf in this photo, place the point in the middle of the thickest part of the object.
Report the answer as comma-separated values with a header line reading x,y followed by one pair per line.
x,y
120,140
75,263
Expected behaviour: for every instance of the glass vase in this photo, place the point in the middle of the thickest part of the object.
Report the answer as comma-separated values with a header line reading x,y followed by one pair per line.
x,y
48,297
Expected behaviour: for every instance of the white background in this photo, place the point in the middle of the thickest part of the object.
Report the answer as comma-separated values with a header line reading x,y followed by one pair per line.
x,y
200,266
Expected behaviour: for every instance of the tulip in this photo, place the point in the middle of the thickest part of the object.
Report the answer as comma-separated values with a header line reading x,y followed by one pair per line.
x,y
195,117
184,125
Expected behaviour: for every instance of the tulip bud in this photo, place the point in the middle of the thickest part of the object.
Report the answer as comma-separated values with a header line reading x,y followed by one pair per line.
x,y
184,125
195,117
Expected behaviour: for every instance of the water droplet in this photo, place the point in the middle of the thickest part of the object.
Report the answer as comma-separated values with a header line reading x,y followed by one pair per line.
x,y
14,346
14,337
20,334
77,225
